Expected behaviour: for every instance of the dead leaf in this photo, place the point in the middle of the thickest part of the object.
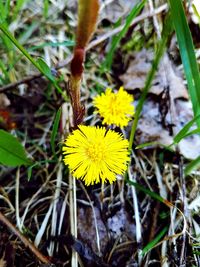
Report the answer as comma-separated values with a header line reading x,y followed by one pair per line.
x,y
111,10
87,230
164,115
6,121
150,128
116,9
136,74
121,223
4,101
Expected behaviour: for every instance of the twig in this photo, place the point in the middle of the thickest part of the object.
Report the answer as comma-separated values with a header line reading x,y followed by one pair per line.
x,y
24,240
25,80
118,29
92,44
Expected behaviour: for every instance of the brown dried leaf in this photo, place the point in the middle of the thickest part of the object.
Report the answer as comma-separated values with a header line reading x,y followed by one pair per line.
x,y
136,74
150,128
121,223
167,112
87,230
4,101
113,10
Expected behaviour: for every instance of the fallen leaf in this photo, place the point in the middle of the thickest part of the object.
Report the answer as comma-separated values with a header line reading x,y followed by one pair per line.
x,y
87,229
114,10
135,76
167,107
150,128
111,10
120,223
4,101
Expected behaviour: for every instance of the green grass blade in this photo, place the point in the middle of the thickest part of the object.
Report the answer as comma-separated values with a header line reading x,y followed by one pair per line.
x,y
18,6
159,53
195,131
134,12
196,12
67,43
55,129
29,57
45,8
28,32
20,47
193,165
4,10
183,132
46,69
150,144
37,164
153,243
147,191
187,52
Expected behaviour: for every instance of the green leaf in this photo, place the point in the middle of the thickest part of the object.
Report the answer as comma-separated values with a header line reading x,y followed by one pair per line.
x,y
183,132
55,129
4,29
46,70
187,52
12,153
193,165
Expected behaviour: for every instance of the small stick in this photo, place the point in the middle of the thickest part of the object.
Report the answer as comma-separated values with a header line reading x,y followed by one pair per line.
x,y
25,80
24,240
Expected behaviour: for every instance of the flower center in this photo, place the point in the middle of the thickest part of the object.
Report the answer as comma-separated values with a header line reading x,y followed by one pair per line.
x,y
95,152
115,106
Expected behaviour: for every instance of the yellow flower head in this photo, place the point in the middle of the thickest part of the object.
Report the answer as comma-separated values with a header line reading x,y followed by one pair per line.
x,y
94,154
115,108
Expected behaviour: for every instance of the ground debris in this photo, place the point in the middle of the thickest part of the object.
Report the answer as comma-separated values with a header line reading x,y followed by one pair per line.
x,y
167,75
87,228
120,223
167,108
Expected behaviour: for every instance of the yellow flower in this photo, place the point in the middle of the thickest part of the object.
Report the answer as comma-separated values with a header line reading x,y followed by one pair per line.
x,y
94,154
115,108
